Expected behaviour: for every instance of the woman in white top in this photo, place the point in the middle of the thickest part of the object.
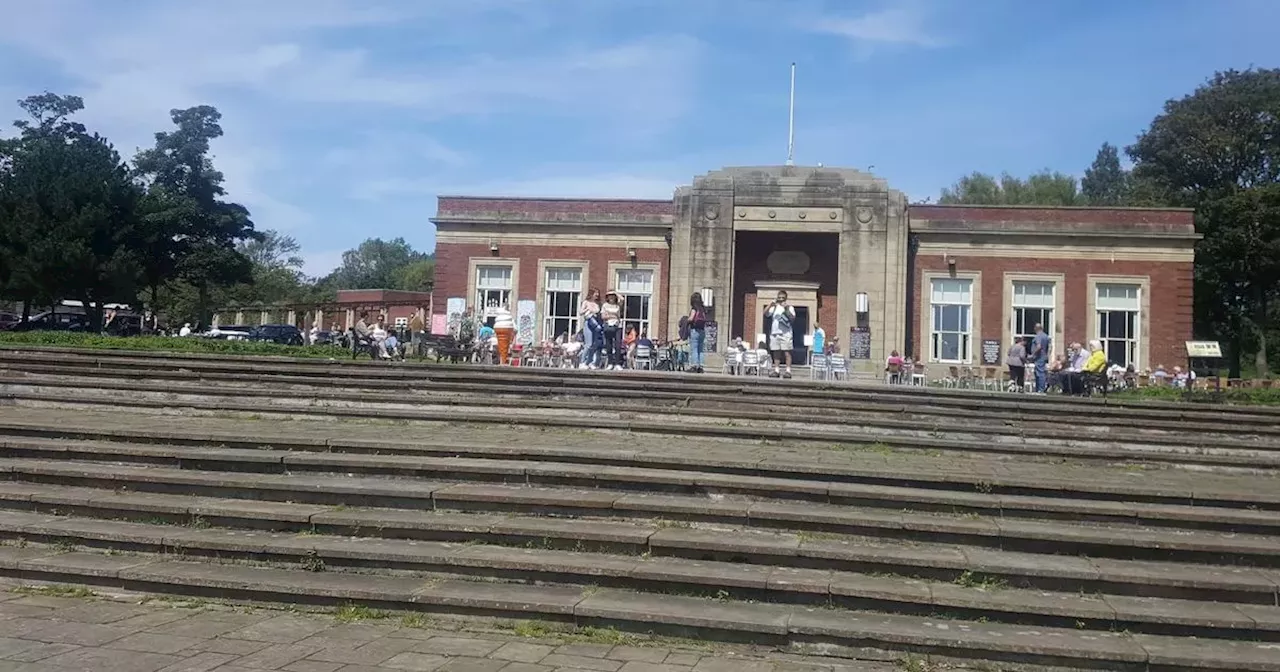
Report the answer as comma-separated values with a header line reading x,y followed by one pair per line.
x,y
379,337
592,339
611,316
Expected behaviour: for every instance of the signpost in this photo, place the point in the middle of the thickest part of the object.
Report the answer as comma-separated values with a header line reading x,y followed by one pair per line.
x,y
1207,354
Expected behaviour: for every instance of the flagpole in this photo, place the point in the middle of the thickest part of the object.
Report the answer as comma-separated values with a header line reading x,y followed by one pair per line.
x,y
791,120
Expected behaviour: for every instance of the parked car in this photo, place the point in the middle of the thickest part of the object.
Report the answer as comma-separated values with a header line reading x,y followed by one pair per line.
x,y
48,321
230,333
284,334
7,320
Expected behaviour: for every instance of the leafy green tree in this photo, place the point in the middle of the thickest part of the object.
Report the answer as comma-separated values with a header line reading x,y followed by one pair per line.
x,y
1218,150
276,270
188,210
68,206
1042,188
1105,183
418,276
375,264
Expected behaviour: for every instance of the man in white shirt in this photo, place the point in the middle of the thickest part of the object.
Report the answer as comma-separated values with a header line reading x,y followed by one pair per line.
x,y
185,330
781,317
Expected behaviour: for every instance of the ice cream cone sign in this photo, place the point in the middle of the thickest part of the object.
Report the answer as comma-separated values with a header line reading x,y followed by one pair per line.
x,y
504,327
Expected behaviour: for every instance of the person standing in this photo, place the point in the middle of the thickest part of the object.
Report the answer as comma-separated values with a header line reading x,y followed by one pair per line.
x,y
819,341
697,331
1016,360
611,315
782,316
592,329
1041,347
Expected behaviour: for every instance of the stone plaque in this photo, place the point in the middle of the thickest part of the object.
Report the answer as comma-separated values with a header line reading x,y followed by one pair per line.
x,y
859,343
990,351
788,262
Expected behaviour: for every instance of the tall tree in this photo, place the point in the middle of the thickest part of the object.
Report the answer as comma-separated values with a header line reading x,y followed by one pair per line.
x,y
1042,188
1218,150
375,264
188,194
276,270
1105,183
68,206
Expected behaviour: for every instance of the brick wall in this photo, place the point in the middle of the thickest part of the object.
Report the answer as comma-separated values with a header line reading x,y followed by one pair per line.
x,y
453,264
1169,317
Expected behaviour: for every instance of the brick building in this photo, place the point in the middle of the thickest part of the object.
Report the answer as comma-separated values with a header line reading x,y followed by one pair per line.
x,y
949,284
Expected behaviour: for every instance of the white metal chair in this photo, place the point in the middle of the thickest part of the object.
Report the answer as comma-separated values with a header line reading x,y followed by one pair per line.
x,y
644,358
731,362
838,367
750,363
818,366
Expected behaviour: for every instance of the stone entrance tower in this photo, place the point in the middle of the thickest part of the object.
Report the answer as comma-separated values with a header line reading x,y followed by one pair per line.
x,y
869,219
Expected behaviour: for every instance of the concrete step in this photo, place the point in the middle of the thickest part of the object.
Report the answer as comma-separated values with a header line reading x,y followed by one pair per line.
x,y
796,627
52,428
904,420
722,581
1242,457
512,469
1115,541
657,538
716,403
768,391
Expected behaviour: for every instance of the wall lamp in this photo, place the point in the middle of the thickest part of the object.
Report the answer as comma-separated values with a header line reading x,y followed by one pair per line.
x,y
631,253
493,246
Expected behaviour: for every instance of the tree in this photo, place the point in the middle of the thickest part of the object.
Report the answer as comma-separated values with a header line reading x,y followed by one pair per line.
x,y
68,207
1218,150
1105,183
276,270
375,264
418,276
1043,188
193,231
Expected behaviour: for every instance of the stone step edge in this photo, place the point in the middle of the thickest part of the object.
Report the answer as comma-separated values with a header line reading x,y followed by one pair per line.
x,y
650,427
939,561
502,469
514,530
836,589
1173,437
793,627
92,355
767,467
868,411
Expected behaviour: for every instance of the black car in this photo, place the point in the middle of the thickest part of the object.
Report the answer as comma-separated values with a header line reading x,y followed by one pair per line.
x,y
53,322
284,334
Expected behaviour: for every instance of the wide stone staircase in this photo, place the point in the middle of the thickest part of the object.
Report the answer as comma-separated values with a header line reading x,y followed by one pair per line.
x,y
986,530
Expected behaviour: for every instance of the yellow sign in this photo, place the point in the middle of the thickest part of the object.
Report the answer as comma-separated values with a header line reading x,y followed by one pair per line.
x,y
1205,349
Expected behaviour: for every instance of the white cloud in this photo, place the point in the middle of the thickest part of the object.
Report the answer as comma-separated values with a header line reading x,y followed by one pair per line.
x,y
900,25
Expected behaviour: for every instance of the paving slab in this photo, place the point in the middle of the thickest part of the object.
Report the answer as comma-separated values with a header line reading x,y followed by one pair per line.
x,y
1191,653
690,612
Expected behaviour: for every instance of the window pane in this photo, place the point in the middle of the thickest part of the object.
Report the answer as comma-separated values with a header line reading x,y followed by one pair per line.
x,y
1033,294
564,279
950,346
635,281
493,277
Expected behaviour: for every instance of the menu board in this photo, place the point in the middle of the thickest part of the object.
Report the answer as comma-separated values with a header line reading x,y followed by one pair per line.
x,y
713,336
860,343
990,351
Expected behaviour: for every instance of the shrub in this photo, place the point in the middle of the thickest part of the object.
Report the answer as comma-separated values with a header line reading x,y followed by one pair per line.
x,y
168,344
1253,396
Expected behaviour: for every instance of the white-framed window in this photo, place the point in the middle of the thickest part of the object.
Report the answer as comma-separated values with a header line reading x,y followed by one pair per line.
x,y
636,287
951,319
493,289
563,288
1119,307
402,323
1033,303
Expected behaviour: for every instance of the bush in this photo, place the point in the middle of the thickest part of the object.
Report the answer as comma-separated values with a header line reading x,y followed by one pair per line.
x,y
168,344
1251,396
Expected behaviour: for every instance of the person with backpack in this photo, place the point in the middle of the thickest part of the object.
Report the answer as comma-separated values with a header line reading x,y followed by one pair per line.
x,y
697,331
781,316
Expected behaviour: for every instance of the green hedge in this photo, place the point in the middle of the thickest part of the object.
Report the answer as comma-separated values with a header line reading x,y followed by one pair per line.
x,y
169,344
1234,395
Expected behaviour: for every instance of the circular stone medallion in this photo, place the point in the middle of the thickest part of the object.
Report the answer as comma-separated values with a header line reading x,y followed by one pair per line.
x,y
864,214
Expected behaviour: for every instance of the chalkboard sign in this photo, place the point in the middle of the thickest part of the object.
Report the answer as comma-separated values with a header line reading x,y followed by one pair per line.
x,y
713,335
859,343
990,351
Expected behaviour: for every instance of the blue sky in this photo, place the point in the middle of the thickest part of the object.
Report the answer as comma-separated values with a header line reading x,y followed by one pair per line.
x,y
345,120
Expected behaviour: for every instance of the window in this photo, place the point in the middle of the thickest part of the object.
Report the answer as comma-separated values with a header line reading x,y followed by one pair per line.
x,y
951,301
636,287
1118,307
1032,305
564,289
402,323
493,289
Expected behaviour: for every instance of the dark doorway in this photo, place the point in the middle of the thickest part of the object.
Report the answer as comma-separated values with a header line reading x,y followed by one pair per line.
x,y
799,329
